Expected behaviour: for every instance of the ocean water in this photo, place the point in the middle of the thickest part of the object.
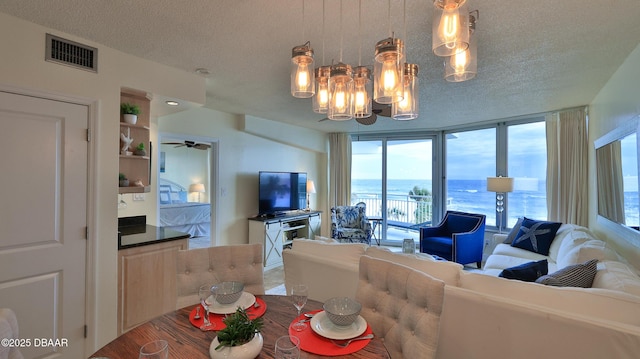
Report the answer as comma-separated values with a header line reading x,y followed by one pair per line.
x,y
466,196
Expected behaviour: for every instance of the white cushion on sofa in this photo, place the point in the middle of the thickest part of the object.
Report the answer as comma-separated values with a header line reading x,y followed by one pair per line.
x,y
448,272
497,262
594,302
345,252
617,276
591,249
508,250
569,241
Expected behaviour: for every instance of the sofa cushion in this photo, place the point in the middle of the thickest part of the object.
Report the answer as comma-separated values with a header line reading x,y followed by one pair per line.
x,y
567,237
507,250
448,272
514,232
591,249
617,276
527,272
499,262
536,236
577,275
347,252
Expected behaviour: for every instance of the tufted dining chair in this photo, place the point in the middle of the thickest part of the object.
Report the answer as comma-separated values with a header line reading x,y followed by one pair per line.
x,y
9,330
241,262
402,306
349,224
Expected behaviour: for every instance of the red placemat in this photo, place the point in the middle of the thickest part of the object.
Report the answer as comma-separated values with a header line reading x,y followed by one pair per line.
x,y
314,343
216,319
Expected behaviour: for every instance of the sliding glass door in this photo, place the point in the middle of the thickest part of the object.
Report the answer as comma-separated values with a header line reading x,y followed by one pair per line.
x,y
394,178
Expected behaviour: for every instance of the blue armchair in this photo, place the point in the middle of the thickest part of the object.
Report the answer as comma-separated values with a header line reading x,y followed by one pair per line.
x,y
459,237
349,224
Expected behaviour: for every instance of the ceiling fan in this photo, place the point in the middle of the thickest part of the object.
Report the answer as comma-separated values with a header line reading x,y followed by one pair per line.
x,y
377,109
190,144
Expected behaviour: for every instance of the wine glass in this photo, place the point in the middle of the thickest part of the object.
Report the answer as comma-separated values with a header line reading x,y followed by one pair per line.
x,y
157,349
299,295
205,292
288,347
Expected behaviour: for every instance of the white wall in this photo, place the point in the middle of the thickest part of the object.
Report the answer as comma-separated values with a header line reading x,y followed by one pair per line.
x,y
23,68
243,153
617,101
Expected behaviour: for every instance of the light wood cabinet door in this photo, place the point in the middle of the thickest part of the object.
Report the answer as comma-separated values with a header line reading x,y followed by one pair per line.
x,y
147,282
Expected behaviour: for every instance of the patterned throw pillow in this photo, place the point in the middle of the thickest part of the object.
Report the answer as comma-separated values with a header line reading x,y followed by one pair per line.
x,y
578,275
536,236
527,272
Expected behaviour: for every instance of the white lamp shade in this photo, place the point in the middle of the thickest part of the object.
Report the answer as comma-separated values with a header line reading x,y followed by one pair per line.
x,y
196,187
500,184
311,187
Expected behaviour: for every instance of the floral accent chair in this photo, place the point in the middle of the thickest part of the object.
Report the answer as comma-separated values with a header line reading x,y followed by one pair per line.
x,y
349,224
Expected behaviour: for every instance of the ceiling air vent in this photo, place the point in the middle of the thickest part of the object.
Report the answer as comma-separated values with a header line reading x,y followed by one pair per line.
x,y
71,53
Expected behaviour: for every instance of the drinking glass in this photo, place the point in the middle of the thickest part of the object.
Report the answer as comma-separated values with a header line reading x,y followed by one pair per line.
x,y
205,292
288,347
158,349
299,295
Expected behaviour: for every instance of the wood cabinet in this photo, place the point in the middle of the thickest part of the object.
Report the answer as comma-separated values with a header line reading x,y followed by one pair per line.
x,y
276,233
136,167
147,282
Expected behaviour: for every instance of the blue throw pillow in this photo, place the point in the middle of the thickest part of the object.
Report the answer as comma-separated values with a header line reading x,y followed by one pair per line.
x,y
527,272
536,236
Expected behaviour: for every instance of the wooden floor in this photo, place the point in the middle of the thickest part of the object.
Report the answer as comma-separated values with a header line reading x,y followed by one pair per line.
x,y
274,281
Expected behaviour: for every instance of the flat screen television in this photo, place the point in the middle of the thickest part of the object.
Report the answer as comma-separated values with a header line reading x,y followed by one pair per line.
x,y
281,192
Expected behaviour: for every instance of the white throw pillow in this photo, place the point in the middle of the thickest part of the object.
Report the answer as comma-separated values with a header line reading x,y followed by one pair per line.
x,y
567,231
591,249
570,241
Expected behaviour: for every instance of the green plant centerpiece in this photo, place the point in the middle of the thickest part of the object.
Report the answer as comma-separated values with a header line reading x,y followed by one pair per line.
x,y
124,182
140,151
240,338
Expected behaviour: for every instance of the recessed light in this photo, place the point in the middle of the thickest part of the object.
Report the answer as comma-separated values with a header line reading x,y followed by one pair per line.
x,y
172,103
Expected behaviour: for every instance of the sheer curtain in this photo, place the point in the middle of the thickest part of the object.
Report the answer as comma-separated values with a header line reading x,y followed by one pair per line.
x,y
339,169
567,185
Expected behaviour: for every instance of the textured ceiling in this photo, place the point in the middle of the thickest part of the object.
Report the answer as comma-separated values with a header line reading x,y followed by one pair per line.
x,y
534,56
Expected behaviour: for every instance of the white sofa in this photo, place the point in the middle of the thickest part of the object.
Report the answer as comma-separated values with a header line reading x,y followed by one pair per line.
x,y
486,316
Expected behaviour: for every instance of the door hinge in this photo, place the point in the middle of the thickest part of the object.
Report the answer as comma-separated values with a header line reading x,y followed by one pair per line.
x,y
86,330
88,135
86,232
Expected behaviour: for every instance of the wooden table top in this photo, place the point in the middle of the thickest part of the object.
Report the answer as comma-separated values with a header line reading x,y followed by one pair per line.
x,y
187,341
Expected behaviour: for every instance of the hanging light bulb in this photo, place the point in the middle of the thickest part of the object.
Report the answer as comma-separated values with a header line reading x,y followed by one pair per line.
x,y
302,79
340,93
321,98
407,109
450,33
362,89
387,71
463,66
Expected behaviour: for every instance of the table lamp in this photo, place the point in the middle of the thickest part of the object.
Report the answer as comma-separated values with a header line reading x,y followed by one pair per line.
x,y
197,188
500,185
311,188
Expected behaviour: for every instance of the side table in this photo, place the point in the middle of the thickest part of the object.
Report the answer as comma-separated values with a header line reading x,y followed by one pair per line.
x,y
376,222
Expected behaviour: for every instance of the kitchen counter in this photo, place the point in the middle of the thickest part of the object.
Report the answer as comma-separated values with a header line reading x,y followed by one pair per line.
x,y
142,235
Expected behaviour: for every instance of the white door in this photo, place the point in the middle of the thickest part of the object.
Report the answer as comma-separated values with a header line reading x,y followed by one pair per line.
x,y
43,203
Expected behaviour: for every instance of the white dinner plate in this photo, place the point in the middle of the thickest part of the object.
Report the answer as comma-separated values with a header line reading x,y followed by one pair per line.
x,y
321,324
246,300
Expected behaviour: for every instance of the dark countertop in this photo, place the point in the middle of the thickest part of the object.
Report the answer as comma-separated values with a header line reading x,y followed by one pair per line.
x,y
146,234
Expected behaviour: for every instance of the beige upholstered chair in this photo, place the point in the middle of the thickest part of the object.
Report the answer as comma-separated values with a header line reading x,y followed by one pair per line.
x,y
402,305
242,262
9,330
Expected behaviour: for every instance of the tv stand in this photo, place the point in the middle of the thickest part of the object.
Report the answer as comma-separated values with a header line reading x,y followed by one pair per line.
x,y
278,231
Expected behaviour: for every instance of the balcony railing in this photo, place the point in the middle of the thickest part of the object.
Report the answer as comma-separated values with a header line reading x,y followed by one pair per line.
x,y
401,209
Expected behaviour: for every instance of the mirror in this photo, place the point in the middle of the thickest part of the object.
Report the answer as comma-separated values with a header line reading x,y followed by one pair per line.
x,y
617,175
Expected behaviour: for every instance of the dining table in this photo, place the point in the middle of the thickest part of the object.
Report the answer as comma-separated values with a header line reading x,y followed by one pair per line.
x,y
186,340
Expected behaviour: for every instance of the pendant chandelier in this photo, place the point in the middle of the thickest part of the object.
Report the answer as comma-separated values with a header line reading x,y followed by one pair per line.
x,y
340,92
407,108
463,65
320,103
302,70
450,27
